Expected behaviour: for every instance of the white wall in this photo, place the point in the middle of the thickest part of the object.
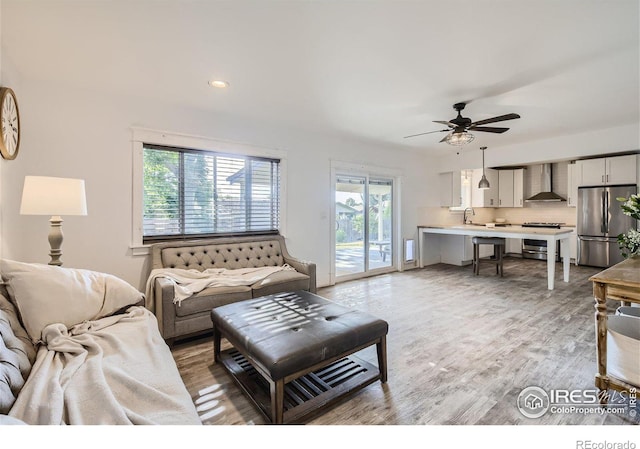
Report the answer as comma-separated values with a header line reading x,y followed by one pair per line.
x,y
75,133
70,132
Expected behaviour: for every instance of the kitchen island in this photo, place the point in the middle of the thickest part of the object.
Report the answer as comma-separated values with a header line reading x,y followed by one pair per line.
x,y
511,231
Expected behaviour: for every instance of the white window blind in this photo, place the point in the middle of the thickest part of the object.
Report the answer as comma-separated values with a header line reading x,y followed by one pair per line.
x,y
189,193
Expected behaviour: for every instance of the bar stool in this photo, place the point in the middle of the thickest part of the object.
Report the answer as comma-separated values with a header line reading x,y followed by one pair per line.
x,y
498,253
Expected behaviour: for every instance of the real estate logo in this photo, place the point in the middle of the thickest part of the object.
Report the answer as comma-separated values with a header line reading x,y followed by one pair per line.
x,y
533,402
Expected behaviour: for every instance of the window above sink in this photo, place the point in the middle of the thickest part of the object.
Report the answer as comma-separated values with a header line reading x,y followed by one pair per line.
x,y
455,190
466,179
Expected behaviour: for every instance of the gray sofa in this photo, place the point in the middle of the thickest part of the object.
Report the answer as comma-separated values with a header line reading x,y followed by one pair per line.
x,y
193,316
70,354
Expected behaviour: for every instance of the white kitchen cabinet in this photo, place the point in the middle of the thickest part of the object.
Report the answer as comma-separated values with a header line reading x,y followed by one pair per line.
x,y
621,169
458,249
518,187
513,246
450,189
511,188
505,188
454,250
608,170
591,172
487,197
572,184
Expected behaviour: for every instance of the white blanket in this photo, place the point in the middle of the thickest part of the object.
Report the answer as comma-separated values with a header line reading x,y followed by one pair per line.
x,y
115,370
189,282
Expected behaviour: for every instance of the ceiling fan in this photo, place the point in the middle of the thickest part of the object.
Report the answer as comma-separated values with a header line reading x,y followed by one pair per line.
x,y
459,127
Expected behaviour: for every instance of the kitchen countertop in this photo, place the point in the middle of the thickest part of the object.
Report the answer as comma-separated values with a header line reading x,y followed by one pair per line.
x,y
499,228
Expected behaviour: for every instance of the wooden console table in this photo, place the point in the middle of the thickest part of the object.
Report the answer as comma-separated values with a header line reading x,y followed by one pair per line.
x,y
620,282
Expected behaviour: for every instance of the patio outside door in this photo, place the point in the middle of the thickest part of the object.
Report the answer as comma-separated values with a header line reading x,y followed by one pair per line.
x,y
363,225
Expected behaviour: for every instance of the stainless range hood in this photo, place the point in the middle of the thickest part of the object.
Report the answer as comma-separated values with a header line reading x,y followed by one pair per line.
x,y
546,181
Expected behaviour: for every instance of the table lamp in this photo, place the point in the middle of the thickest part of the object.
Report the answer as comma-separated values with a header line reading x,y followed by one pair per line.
x,y
43,195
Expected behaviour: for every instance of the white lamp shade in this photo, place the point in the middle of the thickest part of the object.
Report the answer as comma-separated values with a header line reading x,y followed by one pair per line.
x,y
43,195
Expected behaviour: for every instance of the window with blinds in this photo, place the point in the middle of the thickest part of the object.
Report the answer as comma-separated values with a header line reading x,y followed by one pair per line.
x,y
193,193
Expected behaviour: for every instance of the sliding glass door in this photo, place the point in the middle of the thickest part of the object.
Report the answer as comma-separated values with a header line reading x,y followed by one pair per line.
x,y
350,225
363,225
380,222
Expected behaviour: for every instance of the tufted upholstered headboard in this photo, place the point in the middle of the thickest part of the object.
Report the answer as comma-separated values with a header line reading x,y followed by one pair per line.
x,y
230,253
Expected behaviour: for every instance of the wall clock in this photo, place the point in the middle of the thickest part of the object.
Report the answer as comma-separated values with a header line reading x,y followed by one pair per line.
x,y
10,121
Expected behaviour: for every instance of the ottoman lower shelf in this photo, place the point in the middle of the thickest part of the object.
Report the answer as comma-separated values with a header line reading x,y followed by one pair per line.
x,y
307,394
302,348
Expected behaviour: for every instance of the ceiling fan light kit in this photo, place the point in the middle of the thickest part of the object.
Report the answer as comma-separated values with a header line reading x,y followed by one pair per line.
x,y
459,127
459,138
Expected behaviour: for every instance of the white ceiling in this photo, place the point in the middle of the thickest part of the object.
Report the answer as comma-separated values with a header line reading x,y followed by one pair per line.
x,y
373,70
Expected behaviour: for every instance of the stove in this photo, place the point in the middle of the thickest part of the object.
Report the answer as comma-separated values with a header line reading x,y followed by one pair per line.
x,y
537,249
542,225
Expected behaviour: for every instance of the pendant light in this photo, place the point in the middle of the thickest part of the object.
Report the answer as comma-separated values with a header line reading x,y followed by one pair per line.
x,y
484,182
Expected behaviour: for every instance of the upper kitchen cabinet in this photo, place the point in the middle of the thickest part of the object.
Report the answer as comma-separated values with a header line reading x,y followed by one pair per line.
x,y
511,188
518,187
607,170
573,173
450,189
484,197
505,188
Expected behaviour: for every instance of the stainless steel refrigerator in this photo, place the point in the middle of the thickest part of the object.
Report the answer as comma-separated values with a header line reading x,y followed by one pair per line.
x,y
600,220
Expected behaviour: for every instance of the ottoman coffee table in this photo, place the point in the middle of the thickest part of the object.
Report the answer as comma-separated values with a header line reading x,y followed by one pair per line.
x,y
293,353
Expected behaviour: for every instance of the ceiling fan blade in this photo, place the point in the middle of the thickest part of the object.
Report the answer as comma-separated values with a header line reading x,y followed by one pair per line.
x,y
444,138
443,122
489,129
430,132
500,118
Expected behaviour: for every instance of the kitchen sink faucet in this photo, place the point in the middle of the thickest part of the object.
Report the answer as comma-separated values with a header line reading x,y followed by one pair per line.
x,y
465,217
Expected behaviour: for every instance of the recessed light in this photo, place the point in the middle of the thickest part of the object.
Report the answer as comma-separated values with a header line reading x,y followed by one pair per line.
x,y
218,83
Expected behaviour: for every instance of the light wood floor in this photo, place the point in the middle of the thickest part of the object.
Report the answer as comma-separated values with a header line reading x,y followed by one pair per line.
x,y
460,349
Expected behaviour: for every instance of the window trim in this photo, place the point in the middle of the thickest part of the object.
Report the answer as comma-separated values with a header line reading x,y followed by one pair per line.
x,y
141,136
